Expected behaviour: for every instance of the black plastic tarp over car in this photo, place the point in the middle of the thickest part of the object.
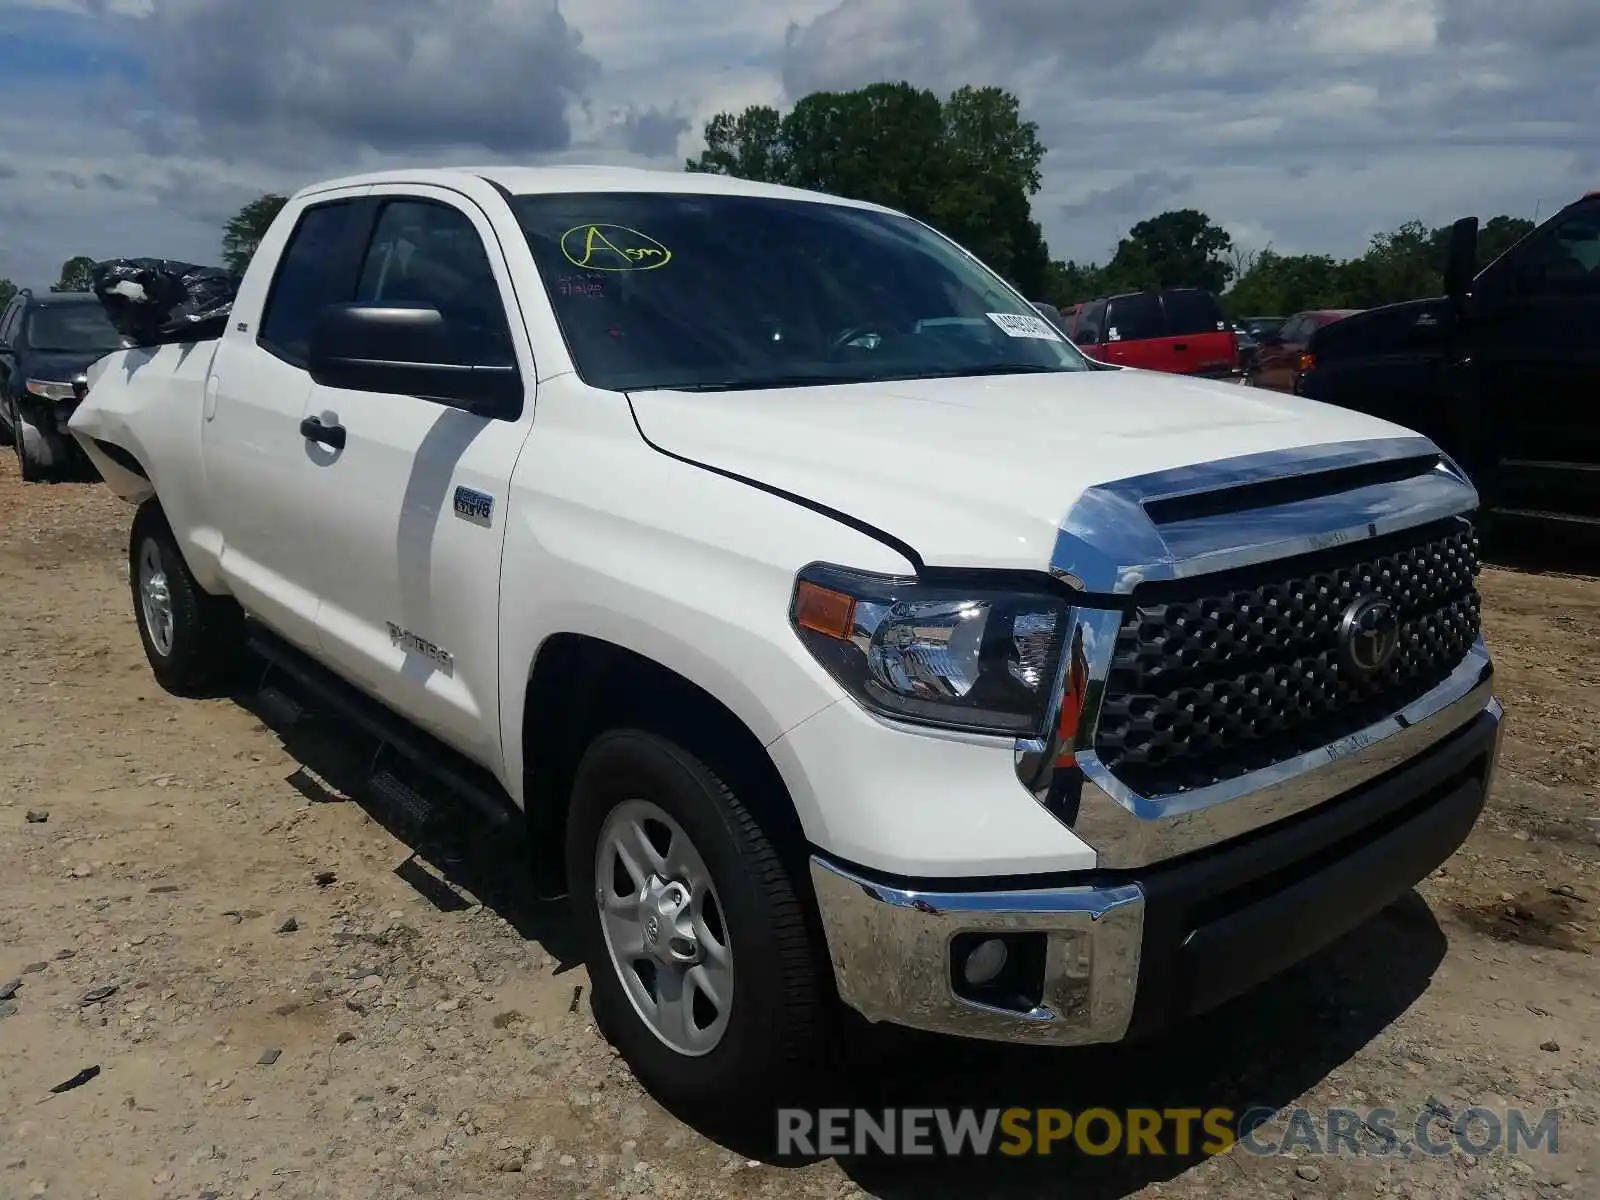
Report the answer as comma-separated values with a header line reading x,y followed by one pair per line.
x,y
154,301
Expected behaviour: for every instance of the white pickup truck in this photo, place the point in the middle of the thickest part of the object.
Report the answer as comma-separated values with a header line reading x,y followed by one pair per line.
x,y
837,630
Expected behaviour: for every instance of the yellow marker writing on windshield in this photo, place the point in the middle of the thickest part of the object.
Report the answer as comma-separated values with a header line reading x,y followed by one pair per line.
x,y
612,248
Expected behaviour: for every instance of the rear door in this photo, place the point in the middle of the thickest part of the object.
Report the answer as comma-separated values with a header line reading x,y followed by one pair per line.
x,y
415,502
1538,353
1200,339
1135,333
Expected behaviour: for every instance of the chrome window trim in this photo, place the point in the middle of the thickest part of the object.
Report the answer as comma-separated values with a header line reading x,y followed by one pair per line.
x,y
1109,545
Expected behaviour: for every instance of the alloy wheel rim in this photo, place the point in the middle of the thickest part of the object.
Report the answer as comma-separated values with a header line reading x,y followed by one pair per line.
x,y
155,597
664,928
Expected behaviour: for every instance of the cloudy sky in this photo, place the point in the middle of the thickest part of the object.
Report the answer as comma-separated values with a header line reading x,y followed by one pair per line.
x,y
138,126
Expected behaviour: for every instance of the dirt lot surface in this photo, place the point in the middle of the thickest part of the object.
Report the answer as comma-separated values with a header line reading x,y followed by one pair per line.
x,y
283,1000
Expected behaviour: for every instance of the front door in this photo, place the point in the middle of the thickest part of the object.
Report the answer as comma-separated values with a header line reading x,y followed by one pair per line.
x,y
415,503
1538,353
1135,333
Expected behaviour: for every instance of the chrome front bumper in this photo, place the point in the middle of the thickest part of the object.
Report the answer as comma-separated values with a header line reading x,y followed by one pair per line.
x,y
891,956
892,947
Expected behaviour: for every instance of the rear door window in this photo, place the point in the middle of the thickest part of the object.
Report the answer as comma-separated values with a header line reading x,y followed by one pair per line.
x,y
1134,318
1190,312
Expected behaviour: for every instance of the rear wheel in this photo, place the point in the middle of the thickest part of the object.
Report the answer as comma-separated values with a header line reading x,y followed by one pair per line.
x,y
705,974
192,639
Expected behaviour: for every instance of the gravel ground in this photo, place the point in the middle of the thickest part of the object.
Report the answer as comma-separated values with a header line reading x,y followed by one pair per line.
x,y
285,997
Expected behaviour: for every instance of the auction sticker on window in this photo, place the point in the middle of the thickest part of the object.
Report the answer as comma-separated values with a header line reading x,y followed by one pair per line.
x,y
1021,326
613,248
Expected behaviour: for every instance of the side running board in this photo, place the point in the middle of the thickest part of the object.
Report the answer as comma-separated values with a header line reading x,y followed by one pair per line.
x,y
422,753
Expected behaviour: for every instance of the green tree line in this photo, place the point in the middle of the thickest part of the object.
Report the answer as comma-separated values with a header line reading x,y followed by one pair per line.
x,y
969,166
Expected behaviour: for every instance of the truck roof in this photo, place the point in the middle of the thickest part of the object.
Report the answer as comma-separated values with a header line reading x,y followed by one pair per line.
x,y
524,181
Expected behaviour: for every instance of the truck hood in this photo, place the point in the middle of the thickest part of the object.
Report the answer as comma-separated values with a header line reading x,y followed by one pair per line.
x,y
982,472
60,366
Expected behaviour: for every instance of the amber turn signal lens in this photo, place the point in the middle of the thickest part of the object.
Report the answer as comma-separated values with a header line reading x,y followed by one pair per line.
x,y
1307,361
824,611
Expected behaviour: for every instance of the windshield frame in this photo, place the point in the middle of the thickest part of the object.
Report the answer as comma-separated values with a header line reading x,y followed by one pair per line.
x,y
1072,359
34,311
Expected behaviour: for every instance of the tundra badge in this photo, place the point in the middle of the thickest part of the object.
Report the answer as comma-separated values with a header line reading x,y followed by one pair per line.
x,y
474,506
412,644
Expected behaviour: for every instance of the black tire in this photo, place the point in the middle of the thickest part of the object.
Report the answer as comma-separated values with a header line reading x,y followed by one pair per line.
x,y
206,642
781,1005
29,467
8,431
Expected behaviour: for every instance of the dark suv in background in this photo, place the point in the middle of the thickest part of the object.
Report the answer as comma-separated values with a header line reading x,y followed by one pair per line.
x,y
47,342
1503,371
1178,330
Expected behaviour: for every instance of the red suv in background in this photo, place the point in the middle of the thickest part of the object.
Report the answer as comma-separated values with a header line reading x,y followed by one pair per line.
x,y
1282,356
1178,330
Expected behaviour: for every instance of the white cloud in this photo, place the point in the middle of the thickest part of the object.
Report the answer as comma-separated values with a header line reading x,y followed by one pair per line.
x,y
1370,27
1309,124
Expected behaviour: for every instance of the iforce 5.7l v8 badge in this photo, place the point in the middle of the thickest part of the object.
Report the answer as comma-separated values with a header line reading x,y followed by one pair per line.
x,y
474,506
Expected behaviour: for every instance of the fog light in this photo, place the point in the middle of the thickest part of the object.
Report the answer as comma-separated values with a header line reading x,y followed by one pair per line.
x,y
984,964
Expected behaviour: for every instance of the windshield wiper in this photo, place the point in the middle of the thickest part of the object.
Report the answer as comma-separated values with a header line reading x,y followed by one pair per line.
x,y
970,372
779,381
763,381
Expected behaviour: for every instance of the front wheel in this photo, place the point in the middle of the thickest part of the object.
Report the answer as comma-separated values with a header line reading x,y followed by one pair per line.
x,y
705,974
192,639
33,467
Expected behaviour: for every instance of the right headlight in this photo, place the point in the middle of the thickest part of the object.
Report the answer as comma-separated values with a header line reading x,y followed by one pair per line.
x,y
968,657
49,389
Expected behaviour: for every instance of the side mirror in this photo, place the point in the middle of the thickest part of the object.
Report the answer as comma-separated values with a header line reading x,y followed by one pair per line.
x,y
1461,261
409,350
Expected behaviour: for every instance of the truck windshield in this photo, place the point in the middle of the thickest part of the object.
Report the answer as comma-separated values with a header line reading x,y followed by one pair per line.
x,y
72,329
702,292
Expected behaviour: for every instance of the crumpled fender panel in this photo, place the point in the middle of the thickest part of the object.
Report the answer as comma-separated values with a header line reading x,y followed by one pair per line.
x,y
140,423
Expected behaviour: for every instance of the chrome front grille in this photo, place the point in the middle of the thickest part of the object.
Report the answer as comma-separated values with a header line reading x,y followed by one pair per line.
x,y
1217,676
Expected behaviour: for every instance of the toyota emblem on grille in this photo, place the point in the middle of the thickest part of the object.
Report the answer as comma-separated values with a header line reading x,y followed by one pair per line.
x,y
1369,635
